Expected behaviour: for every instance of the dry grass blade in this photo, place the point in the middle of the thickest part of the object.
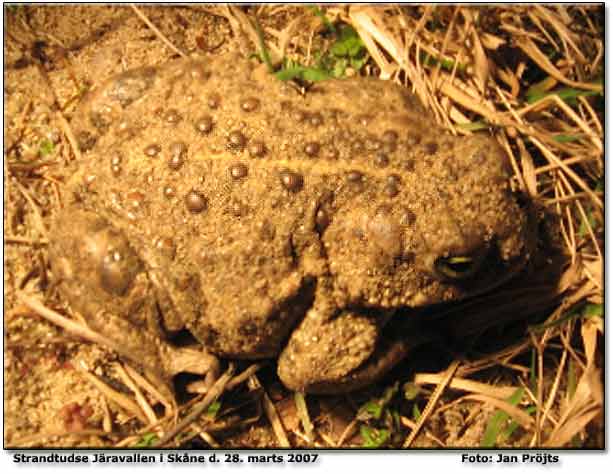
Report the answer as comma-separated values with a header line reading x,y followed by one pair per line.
x,y
243,376
241,25
271,413
74,146
372,32
553,392
38,218
412,425
140,399
216,390
36,440
465,100
556,101
119,398
466,385
169,405
65,323
516,413
107,423
208,439
585,405
303,414
25,241
590,328
158,33
447,376
482,69
529,47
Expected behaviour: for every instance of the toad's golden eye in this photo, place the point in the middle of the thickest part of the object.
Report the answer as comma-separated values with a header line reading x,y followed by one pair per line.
x,y
458,267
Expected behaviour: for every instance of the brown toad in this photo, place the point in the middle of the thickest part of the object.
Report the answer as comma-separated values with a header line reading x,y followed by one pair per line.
x,y
214,197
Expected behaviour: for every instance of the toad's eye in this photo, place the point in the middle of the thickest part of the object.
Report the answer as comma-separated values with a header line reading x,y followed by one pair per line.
x,y
458,267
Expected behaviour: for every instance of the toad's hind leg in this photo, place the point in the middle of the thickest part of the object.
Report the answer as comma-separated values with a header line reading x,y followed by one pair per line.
x,y
337,351
102,276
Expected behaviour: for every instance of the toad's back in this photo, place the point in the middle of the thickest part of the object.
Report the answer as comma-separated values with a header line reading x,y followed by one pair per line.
x,y
238,192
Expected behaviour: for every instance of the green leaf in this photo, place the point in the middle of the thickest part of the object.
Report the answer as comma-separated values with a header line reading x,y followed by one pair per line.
x,y
289,73
315,75
318,12
146,441
348,32
262,45
572,313
416,412
372,437
410,390
339,68
213,408
358,63
447,64
566,138
496,422
370,410
46,147
348,49
599,188
374,408
355,47
592,309
339,49
567,94
591,223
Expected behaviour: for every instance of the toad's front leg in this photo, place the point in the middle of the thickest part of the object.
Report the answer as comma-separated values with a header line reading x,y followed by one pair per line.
x,y
105,280
335,351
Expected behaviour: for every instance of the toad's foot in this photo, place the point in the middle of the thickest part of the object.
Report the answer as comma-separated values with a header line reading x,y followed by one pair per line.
x,y
194,361
333,352
158,359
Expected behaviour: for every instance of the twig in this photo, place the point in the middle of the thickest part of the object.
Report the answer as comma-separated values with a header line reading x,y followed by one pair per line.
x,y
38,217
67,324
303,414
140,399
244,375
138,378
10,239
215,392
74,145
159,34
107,423
122,400
432,402
38,437
466,385
271,413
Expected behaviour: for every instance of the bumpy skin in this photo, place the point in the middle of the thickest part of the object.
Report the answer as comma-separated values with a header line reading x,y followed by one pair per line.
x,y
215,197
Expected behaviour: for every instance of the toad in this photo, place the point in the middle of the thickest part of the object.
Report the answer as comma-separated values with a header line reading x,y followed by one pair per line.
x,y
272,223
